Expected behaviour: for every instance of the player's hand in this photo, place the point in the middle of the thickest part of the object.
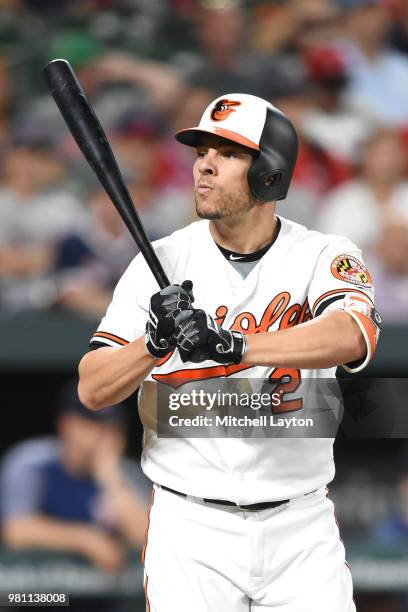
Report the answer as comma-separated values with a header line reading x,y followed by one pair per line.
x,y
164,308
199,338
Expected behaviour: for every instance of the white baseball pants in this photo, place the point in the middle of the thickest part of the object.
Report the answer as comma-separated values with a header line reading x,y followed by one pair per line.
x,y
203,557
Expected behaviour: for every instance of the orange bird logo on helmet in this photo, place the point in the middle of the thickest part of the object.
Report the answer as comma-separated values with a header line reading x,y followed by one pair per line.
x,y
223,109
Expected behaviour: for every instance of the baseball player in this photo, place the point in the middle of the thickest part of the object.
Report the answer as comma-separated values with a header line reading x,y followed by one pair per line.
x,y
238,524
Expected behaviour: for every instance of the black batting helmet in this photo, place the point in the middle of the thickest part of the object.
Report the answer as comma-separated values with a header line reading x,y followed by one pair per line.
x,y
258,125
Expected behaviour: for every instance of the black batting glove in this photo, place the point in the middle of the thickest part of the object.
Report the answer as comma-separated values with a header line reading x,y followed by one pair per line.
x,y
163,310
199,338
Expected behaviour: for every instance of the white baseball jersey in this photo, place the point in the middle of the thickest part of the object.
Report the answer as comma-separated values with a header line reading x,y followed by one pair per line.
x,y
302,275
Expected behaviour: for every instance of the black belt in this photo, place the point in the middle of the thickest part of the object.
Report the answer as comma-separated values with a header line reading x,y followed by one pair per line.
x,y
223,502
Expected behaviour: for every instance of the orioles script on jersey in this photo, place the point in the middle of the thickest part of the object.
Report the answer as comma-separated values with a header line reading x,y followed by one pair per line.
x,y
245,322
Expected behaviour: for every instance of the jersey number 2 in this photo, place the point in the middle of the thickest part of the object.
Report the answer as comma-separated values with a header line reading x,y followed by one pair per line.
x,y
287,380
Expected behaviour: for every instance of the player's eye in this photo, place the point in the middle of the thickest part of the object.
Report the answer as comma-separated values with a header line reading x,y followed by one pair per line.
x,y
229,153
201,153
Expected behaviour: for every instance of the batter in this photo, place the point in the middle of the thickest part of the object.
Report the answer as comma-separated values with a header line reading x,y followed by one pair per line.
x,y
238,524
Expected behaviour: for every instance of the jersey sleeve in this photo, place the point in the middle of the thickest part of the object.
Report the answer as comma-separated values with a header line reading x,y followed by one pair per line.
x,y
126,317
342,281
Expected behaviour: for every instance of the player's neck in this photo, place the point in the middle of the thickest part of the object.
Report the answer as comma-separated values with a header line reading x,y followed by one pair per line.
x,y
247,234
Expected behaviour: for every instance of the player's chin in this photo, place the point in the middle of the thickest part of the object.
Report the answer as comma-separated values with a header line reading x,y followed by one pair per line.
x,y
209,215
208,212
205,208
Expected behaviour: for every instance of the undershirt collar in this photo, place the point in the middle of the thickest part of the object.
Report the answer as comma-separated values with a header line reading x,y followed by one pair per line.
x,y
232,256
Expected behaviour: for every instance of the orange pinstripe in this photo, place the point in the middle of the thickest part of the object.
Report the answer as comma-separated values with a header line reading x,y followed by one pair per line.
x,y
180,377
144,551
145,592
147,527
101,334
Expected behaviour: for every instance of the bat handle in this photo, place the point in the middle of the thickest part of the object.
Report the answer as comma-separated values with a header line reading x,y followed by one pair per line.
x,y
154,264
162,280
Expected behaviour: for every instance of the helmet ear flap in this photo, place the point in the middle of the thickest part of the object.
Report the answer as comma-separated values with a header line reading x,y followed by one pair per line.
x,y
269,176
264,185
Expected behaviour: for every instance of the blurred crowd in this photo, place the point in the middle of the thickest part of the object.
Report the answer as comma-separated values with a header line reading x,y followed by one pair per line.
x,y
75,495
338,68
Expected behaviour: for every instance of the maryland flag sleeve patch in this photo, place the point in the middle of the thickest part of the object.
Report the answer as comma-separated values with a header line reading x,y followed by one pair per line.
x,y
351,270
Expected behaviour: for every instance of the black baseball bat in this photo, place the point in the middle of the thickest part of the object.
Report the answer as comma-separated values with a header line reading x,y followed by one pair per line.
x,y
88,133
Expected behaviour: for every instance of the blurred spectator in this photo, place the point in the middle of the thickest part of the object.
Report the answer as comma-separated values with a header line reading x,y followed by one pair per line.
x,y
90,262
288,86
138,142
220,34
318,20
392,532
44,7
75,493
275,26
5,102
166,98
390,271
160,188
399,28
372,210
160,83
322,77
176,95
294,25
360,208
329,124
38,117
378,86
35,212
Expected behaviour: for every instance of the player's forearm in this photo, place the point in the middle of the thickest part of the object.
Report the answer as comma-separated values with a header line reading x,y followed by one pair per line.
x,y
327,341
108,375
38,531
